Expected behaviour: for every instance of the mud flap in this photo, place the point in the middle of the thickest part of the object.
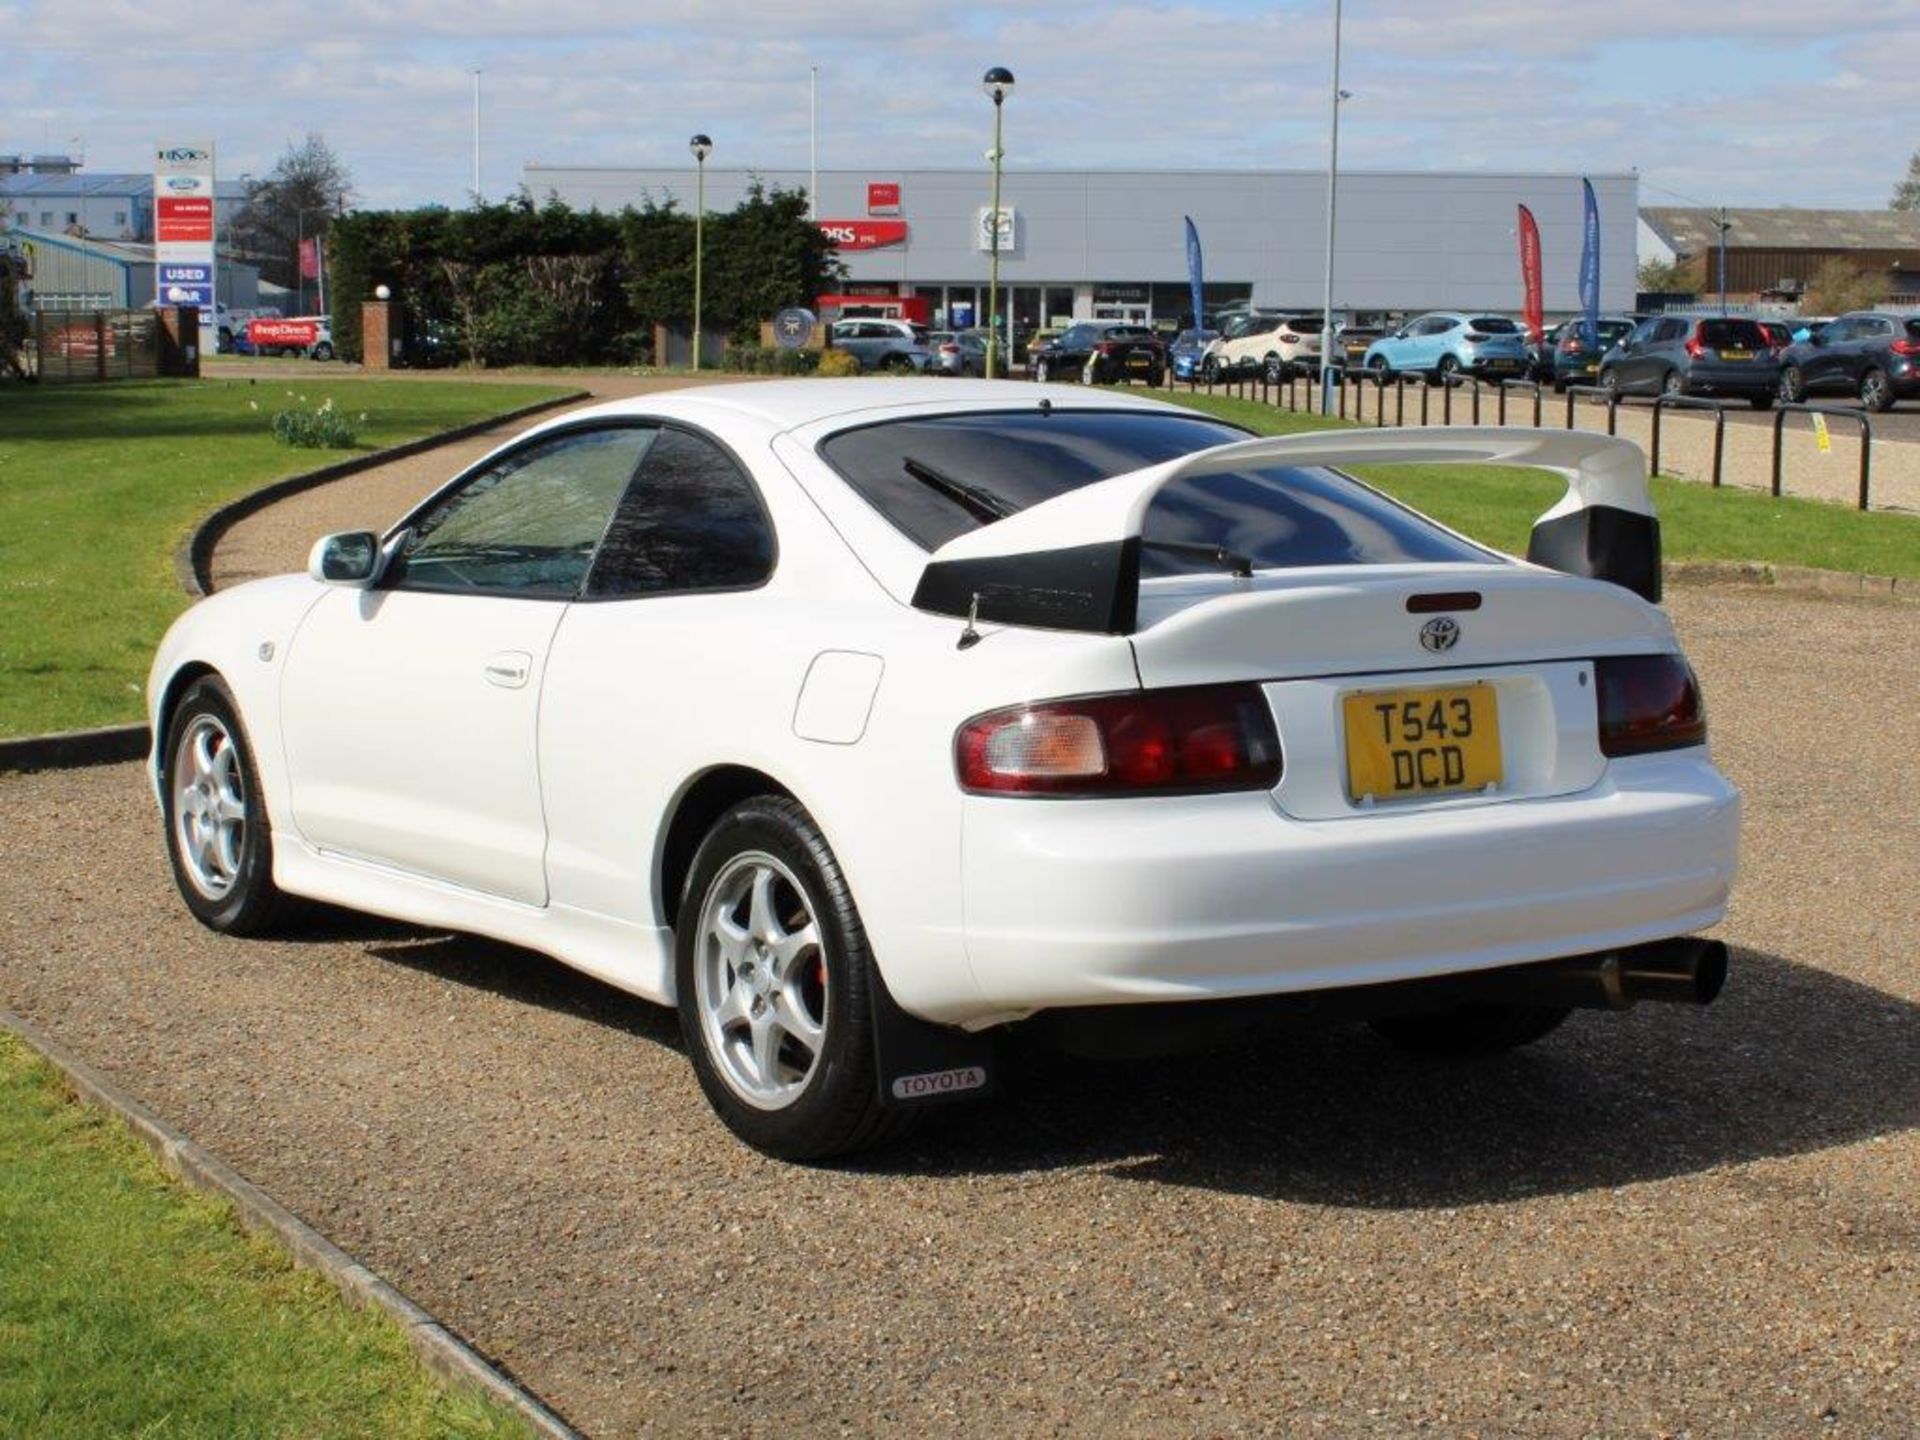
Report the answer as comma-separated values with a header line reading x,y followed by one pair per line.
x,y
920,1063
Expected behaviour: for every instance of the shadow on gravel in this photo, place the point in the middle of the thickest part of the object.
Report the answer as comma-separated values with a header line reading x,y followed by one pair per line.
x,y
1791,1059
528,977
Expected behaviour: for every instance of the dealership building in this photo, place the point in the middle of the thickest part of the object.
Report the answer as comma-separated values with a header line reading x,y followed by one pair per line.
x,y
1110,244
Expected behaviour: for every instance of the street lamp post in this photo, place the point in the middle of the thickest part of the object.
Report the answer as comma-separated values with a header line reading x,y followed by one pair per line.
x,y
1333,176
701,147
1725,225
998,83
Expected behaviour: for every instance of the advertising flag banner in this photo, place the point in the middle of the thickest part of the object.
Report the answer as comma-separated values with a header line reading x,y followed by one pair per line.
x,y
183,225
310,258
1532,309
1590,269
1194,280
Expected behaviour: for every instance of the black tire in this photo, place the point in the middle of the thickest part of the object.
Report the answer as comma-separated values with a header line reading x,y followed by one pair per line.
x,y
1610,382
323,351
1381,369
249,903
1210,370
1673,383
1275,370
1471,1030
1040,370
1876,391
1793,385
1155,379
1449,367
837,1107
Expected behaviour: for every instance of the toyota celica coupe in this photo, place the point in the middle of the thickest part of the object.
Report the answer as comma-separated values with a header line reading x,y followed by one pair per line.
x,y
865,721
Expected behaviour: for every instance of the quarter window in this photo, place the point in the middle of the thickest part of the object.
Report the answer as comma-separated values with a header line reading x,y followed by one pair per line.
x,y
691,520
529,524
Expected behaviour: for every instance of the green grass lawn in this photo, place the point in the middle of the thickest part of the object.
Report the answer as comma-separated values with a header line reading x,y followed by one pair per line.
x,y
1498,505
130,1306
98,485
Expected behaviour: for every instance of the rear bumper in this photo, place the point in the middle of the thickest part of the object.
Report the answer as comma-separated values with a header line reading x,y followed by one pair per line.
x,y
1073,903
1733,379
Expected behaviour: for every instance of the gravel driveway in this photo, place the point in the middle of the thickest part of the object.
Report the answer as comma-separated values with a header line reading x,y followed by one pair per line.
x,y
1673,1222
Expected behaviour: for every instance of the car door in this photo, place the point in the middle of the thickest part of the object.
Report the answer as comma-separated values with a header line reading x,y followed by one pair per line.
x,y
671,636
1825,363
409,710
1866,347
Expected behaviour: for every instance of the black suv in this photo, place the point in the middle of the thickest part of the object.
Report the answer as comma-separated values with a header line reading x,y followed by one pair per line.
x,y
1874,356
1101,352
1688,355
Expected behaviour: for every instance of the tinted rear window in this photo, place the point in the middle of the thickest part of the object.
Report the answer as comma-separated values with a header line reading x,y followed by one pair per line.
x,y
1913,327
1494,325
1734,334
1281,517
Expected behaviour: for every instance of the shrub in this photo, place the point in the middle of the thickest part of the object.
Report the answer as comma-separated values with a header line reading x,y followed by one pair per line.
x,y
322,428
769,360
837,363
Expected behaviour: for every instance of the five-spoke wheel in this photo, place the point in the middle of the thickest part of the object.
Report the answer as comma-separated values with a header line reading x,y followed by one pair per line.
x,y
217,835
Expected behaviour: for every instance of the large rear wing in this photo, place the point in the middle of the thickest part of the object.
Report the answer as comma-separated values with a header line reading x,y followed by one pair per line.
x,y
1073,562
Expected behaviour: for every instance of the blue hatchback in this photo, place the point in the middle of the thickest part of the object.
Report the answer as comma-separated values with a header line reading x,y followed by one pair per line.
x,y
1188,347
1447,342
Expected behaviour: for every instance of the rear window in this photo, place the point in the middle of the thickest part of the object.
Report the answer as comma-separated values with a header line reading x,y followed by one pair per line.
x,y
1306,324
1494,325
1913,327
1279,517
1732,333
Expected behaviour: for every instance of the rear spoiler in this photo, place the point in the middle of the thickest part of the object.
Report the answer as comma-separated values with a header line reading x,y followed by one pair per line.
x,y
1073,562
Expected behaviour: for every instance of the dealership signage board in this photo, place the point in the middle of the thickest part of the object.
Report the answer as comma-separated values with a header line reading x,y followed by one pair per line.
x,y
865,234
984,227
883,197
183,271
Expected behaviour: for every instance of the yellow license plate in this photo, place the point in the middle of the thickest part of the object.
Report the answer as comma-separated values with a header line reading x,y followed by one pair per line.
x,y
1407,743
1736,354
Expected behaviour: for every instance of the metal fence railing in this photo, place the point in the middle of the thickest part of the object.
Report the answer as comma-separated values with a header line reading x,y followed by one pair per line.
x,y
1786,408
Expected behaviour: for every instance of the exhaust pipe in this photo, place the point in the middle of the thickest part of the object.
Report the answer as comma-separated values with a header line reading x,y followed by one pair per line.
x,y
1683,971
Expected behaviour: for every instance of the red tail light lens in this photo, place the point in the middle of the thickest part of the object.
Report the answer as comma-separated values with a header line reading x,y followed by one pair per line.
x,y
1104,347
1570,346
1905,347
1648,703
1695,347
1189,741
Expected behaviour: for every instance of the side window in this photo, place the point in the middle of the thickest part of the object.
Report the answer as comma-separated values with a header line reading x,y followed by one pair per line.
x,y
1443,325
1875,328
691,520
527,525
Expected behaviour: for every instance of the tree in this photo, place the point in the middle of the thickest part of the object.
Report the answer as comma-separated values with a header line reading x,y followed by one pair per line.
x,y
1839,286
297,200
1665,277
1906,195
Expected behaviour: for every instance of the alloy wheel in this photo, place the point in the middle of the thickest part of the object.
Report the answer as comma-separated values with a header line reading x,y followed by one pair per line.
x,y
760,981
209,806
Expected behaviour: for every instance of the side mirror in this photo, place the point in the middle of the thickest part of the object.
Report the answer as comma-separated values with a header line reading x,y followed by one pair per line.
x,y
351,558
1399,334
1818,337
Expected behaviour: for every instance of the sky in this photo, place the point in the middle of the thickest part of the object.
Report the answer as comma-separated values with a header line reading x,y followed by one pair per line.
x,y
1766,102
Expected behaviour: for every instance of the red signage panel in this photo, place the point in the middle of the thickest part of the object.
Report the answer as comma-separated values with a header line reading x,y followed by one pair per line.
x,y
865,234
183,217
278,334
883,196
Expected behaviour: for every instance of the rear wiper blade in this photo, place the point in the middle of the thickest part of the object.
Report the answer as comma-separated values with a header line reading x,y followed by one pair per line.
x,y
984,504
1232,561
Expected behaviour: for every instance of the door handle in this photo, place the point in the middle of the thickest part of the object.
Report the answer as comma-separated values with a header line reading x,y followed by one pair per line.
x,y
508,669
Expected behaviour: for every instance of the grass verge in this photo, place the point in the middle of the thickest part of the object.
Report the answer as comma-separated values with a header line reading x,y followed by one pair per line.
x,y
1498,505
130,1306
98,483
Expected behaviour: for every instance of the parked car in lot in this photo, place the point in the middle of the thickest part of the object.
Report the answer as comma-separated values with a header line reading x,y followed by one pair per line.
x,y
1865,353
1689,355
1272,346
957,352
1188,348
1227,733
1102,352
1778,332
1351,343
892,345
1573,360
1446,343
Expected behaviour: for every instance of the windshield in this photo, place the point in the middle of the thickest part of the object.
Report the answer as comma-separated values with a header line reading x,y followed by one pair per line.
x,y
982,464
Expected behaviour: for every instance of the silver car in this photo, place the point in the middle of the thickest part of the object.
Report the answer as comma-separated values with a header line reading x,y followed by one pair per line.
x,y
891,345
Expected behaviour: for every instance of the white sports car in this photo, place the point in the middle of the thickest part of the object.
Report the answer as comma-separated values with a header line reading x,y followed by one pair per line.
x,y
864,719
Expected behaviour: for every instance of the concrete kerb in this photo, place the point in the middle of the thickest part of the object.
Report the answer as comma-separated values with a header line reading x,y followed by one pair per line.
x,y
192,559
442,1352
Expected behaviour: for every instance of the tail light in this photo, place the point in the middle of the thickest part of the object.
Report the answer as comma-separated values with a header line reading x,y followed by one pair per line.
x,y
949,349
1648,703
1143,742
1105,347
1695,346
1905,347
1571,345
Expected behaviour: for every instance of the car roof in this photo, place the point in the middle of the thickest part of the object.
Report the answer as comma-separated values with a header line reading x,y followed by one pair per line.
x,y
776,406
